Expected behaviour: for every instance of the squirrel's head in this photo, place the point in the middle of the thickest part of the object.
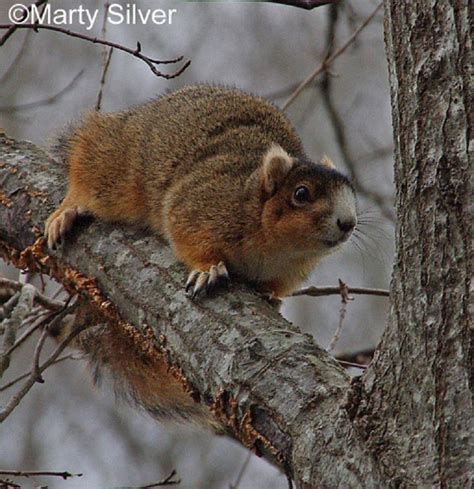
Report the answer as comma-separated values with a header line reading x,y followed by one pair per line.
x,y
308,207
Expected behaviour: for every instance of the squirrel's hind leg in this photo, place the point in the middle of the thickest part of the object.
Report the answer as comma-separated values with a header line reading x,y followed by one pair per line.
x,y
62,219
199,281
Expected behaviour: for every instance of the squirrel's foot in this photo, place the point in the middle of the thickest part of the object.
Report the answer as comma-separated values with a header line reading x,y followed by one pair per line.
x,y
199,281
60,222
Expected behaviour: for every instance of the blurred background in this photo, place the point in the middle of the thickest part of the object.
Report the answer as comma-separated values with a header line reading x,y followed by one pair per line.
x,y
48,79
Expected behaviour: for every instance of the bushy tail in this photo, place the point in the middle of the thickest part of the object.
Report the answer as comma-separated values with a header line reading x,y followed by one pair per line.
x,y
137,375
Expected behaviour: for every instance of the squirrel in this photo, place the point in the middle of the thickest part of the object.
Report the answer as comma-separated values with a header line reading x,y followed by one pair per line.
x,y
223,176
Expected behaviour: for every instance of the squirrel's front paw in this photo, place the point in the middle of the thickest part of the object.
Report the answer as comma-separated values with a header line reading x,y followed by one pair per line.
x,y
199,281
59,223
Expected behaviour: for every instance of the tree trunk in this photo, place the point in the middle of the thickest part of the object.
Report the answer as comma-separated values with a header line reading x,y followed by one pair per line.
x,y
416,408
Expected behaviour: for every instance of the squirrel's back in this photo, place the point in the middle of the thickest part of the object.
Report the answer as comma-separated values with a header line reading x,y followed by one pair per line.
x,y
141,152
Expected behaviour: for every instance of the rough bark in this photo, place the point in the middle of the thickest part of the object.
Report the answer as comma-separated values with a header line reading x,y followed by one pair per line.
x,y
417,404
270,385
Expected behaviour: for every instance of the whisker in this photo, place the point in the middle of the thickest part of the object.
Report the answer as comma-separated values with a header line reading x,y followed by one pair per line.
x,y
358,245
375,231
373,246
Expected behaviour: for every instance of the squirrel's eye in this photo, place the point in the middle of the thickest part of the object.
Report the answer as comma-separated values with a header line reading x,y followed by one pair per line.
x,y
301,194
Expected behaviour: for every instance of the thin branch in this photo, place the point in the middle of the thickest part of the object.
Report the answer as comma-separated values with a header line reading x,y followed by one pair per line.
x,y
35,370
40,298
69,356
351,364
327,62
134,52
329,290
11,28
241,473
167,481
33,377
34,473
8,307
41,320
106,57
12,324
6,484
304,4
363,357
344,291
102,79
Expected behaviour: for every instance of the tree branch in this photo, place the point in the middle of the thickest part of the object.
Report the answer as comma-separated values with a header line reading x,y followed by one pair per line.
x,y
151,62
36,473
266,382
305,4
330,59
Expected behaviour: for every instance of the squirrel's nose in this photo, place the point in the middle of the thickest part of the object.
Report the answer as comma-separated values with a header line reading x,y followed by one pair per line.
x,y
346,225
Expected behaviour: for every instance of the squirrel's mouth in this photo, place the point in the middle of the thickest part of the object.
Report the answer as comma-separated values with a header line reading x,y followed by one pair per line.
x,y
332,243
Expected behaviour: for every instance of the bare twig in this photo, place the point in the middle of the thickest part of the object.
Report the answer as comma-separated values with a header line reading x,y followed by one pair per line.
x,y
151,62
11,324
34,473
241,473
41,320
351,364
167,481
11,28
40,298
7,484
102,79
69,356
344,291
362,357
106,57
329,290
328,61
35,369
8,307
33,377
305,4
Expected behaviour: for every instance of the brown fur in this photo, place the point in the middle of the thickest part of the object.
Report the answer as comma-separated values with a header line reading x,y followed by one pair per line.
x,y
190,166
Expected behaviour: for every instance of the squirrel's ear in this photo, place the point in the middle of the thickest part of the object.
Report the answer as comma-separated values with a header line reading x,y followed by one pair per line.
x,y
277,163
327,162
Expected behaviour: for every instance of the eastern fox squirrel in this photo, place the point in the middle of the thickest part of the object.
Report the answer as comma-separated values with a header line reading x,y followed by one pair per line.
x,y
219,173
222,175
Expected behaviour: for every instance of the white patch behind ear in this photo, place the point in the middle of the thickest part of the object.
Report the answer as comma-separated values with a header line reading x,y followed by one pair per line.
x,y
327,162
277,163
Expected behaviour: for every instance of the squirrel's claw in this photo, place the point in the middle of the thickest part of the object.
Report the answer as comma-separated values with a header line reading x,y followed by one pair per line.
x,y
199,282
59,224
